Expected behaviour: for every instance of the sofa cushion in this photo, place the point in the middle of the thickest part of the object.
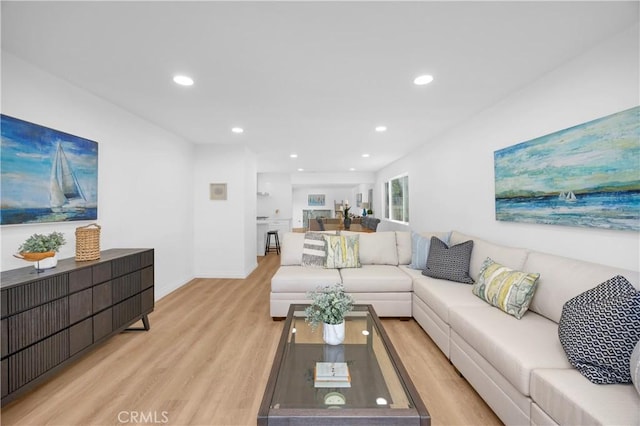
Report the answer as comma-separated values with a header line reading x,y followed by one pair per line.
x,y
599,328
377,248
570,399
508,290
562,278
403,245
375,278
314,250
449,262
342,251
513,347
300,279
291,248
509,256
441,295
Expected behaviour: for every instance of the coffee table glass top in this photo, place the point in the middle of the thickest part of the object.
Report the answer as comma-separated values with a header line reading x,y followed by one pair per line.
x,y
378,384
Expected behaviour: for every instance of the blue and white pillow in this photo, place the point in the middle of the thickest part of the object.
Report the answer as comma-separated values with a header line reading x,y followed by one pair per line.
x,y
420,250
599,328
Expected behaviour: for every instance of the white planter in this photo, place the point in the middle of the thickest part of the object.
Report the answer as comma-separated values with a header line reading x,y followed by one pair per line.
x,y
46,263
333,334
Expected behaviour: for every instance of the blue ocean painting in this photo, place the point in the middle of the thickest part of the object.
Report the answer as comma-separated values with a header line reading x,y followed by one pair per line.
x,y
47,175
587,175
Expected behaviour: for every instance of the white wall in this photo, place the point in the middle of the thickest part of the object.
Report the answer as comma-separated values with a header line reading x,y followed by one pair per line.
x,y
451,177
276,205
145,173
224,231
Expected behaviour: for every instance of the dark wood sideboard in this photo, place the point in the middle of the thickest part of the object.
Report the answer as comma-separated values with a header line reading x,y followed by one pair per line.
x,y
51,318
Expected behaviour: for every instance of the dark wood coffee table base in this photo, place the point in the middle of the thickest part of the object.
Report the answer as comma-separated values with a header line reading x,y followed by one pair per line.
x,y
377,373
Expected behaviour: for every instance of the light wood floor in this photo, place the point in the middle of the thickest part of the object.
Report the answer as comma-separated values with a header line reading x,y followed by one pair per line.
x,y
206,361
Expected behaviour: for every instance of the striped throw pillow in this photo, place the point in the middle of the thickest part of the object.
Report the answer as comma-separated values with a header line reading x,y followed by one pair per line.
x,y
314,250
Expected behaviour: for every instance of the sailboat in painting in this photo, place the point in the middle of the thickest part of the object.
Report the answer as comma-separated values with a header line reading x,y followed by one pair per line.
x,y
65,193
569,197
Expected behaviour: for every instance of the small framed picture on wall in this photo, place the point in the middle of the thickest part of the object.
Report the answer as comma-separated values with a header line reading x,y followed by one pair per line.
x,y
316,199
217,191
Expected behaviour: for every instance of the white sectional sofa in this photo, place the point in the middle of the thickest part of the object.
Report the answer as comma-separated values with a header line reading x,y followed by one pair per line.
x,y
517,366
378,282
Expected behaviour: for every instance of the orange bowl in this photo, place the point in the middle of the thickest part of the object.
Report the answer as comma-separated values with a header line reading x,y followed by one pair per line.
x,y
35,257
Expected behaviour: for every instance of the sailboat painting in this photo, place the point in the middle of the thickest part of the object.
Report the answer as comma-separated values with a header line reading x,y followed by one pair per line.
x,y
587,175
47,175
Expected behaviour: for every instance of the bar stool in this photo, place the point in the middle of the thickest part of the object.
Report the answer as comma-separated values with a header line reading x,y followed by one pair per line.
x,y
267,247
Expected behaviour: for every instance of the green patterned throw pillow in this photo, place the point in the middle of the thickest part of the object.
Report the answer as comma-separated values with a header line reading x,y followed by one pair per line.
x,y
508,290
342,251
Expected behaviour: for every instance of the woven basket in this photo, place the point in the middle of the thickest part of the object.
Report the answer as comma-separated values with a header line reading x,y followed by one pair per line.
x,y
88,242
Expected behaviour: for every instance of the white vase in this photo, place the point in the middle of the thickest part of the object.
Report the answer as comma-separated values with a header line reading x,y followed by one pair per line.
x,y
333,334
46,263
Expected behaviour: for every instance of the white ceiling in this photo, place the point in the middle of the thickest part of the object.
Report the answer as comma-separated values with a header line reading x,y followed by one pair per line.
x,y
312,78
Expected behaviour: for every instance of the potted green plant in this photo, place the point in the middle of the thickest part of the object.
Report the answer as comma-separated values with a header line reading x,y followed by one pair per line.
x,y
42,249
329,304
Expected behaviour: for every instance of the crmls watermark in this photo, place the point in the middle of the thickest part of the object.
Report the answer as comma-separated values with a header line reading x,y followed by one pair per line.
x,y
138,417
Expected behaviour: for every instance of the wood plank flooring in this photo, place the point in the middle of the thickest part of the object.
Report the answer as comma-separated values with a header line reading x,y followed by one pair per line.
x,y
206,361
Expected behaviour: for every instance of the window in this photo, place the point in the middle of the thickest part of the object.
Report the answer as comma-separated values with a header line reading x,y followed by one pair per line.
x,y
396,197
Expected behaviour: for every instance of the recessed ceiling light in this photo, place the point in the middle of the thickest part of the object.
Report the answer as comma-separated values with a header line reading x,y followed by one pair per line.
x,y
237,130
183,80
365,155
381,129
301,170
293,155
352,169
423,79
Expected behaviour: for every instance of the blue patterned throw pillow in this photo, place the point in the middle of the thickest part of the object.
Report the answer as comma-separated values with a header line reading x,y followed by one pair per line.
x,y
599,328
449,263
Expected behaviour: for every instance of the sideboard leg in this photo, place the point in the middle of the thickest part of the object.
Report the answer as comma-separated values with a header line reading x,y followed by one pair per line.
x,y
145,325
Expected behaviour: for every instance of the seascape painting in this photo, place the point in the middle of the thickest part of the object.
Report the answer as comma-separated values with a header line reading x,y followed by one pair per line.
x,y
47,175
587,175
316,199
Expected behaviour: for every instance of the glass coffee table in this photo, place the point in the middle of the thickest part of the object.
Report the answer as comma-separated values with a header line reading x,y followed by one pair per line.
x,y
379,390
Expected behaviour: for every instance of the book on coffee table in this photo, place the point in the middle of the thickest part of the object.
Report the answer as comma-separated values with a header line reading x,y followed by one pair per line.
x,y
332,375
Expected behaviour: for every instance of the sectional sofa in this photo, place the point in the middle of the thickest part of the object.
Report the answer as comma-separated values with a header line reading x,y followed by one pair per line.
x,y
518,366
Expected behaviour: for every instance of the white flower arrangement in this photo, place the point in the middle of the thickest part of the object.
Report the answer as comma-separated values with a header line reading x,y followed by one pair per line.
x,y
329,305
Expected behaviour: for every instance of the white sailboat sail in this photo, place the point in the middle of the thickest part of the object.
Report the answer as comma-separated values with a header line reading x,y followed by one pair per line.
x,y
571,196
562,196
65,193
